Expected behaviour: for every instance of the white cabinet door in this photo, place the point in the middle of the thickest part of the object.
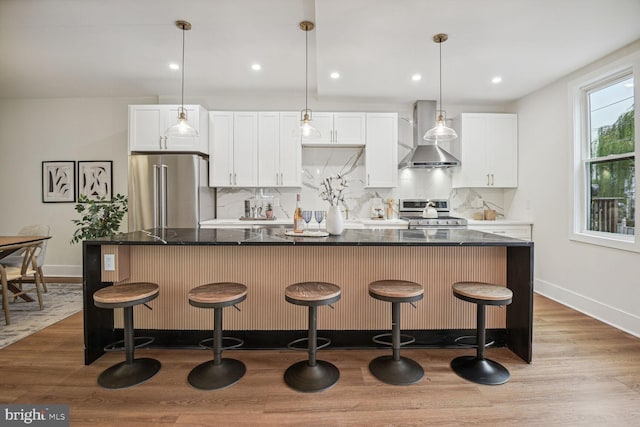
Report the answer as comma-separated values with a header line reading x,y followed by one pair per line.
x,y
487,148
245,149
381,153
145,122
148,123
221,149
290,153
349,129
502,151
268,149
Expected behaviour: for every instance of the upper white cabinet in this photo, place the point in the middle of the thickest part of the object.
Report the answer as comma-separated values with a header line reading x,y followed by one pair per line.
x,y
233,146
147,124
345,129
487,147
279,150
381,154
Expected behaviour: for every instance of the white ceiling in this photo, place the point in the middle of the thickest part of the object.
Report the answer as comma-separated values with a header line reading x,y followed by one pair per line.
x,y
73,48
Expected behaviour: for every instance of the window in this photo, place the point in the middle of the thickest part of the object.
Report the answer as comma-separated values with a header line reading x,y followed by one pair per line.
x,y
605,148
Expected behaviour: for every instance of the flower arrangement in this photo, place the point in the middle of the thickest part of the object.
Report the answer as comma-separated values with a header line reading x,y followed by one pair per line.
x,y
331,189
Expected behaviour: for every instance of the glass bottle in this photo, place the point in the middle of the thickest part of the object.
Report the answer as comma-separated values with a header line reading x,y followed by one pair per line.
x,y
298,220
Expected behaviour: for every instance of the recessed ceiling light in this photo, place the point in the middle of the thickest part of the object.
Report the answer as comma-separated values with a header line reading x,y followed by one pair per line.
x,y
256,67
174,66
496,80
335,75
416,77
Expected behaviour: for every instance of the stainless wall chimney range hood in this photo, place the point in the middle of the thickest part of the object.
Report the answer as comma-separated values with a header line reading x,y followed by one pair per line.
x,y
425,155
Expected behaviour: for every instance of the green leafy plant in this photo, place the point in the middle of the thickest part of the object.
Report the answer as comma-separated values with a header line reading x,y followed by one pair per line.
x,y
100,217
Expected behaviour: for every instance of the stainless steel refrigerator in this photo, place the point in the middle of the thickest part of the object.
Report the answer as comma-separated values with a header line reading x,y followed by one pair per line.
x,y
169,191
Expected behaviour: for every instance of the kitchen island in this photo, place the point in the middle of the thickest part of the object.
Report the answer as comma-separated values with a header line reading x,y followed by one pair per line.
x,y
266,261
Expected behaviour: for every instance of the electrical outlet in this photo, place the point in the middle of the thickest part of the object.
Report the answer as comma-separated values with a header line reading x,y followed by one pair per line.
x,y
109,262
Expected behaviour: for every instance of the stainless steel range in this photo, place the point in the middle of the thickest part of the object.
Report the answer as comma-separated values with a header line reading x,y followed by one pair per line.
x,y
412,211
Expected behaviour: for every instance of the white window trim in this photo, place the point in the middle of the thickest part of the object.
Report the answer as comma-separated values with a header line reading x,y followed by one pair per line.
x,y
578,128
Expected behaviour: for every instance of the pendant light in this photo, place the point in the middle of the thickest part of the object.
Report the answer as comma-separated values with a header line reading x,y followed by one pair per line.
x,y
440,132
182,127
307,130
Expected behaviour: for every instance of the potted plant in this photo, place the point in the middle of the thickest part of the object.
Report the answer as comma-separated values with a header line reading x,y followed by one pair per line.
x,y
100,217
269,211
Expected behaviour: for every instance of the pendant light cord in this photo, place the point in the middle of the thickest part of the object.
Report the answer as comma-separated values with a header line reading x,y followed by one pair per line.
x,y
440,44
182,96
306,72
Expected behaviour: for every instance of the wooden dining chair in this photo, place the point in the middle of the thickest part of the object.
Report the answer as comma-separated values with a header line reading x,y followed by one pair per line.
x,y
16,259
15,276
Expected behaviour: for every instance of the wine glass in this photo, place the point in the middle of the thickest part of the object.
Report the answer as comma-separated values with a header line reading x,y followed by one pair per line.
x,y
319,217
306,215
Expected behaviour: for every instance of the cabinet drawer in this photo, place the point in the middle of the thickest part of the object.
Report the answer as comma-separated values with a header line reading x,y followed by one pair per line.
x,y
516,231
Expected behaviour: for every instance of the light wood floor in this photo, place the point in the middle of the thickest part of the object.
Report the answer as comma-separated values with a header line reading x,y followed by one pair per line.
x,y
583,373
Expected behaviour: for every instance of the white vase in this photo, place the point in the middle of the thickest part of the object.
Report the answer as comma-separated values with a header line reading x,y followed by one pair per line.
x,y
335,222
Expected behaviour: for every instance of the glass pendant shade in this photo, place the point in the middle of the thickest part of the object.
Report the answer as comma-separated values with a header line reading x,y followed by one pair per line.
x,y
307,130
181,128
440,132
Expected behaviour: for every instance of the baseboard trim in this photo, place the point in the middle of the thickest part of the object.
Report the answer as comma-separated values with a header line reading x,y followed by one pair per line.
x,y
612,316
62,270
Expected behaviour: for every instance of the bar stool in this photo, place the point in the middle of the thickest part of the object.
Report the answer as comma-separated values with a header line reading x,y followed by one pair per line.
x,y
312,375
131,371
476,368
219,372
395,369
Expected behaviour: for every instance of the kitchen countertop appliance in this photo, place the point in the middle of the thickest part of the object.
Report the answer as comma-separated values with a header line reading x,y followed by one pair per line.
x,y
412,211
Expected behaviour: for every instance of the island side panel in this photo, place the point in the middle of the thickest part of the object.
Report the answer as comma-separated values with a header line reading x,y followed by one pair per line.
x,y
267,270
98,322
520,311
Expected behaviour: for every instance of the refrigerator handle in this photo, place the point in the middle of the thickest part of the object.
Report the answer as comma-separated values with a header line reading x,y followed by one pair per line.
x,y
163,196
155,196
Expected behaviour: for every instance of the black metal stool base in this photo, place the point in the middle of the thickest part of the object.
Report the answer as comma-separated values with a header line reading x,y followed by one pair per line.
x,y
123,374
396,372
481,371
302,377
209,376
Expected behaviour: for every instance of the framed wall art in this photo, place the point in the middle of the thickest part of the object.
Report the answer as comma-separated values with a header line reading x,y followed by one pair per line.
x,y
95,179
58,182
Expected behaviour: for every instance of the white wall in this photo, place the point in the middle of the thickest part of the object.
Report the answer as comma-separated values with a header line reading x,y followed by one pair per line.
x,y
599,281
32,131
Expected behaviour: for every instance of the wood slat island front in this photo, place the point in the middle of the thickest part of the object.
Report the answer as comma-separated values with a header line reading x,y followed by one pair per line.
x,y
267,261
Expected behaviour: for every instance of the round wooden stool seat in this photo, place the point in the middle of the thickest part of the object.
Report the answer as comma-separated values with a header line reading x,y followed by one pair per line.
x,y
396,290
312,293
483,293
125,295
220,294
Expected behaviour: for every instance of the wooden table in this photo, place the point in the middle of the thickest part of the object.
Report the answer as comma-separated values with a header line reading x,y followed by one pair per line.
x,y
11,244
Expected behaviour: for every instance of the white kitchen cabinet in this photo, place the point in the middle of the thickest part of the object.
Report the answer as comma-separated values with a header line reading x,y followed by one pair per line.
x,y
279,150
520,231
381,152
338,129
487,147
233,146
147,124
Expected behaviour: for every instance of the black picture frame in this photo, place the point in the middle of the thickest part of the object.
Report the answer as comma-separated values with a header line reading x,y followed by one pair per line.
x,y
95,179
58,181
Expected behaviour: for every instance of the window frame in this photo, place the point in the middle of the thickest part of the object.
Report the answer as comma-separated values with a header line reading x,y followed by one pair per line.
x,y
579,90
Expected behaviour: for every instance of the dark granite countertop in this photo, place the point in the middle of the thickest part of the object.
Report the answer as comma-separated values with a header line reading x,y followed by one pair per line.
x,y
274,236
